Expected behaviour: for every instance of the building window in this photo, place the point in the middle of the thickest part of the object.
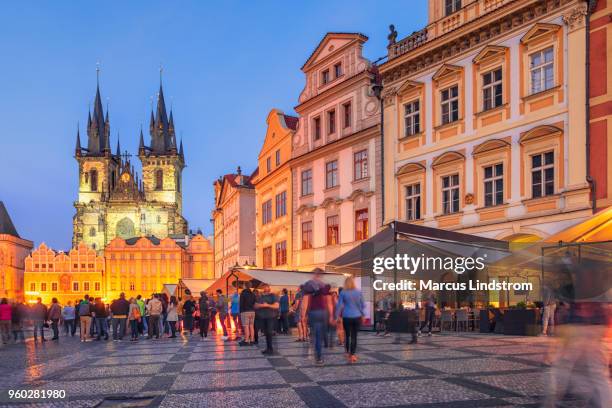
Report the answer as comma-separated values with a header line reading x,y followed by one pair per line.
x,y
338,70
93,180
450,104
412,118
450,194
494,185
317,128
86,286
360,165
267,257
331,174
413,202
452,6
331,122
542,174
278,161
132,286
266,212
361,224
492,89
159,179
97,286
307,235
281,253
268,165
53,286
92,232
347,109
542,70
306,182
75,286
325,76
43,287
33,286
333,230
281,204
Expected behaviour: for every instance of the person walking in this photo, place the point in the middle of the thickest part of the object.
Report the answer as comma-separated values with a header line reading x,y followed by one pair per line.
x,y
212,306
101,315
39,314
267,307
297,313
351,308
222,311
204,315
172,316
68,315
119,310
548,317
54,314
430,313
247,315
235,311
284,312
189,308
134,317
318,307
5,320
85,317
18,315
154,308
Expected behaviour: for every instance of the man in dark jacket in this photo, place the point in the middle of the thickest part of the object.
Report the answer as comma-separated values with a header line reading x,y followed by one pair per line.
x,y
38,312
204,314
119,312
247,314
101,315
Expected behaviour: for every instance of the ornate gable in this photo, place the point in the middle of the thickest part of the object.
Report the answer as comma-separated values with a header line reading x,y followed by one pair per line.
x,y
331,43
446,70
490,51
538,30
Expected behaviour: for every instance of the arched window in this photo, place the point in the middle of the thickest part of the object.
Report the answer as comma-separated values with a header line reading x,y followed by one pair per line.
x,y
159,179
93,179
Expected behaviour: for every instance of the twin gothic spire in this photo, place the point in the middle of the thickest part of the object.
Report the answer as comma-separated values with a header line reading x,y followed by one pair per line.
x,y
161,130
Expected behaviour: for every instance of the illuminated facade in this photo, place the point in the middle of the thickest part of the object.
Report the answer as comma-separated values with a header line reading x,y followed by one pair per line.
x,y
112,200
479,107
335,153
234,221
65,276
274,193
13,252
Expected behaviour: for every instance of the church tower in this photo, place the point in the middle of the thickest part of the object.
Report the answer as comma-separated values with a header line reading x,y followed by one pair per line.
x,y
98,175
162,161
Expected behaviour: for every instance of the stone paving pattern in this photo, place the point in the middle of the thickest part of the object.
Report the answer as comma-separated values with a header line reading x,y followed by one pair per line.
x,y
450,370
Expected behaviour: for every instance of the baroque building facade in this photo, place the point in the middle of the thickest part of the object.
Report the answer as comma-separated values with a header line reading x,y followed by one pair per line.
x,y
113,201
484,119
273,193
13,252
233,221
336,178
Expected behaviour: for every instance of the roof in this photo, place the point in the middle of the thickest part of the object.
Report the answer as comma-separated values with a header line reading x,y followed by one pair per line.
x,y
6,224
328,35
291,121
196,286
595,229
132,241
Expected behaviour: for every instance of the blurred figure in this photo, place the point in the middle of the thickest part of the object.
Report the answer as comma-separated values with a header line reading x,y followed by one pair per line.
x,y
134,317
154,308
54,315
297,310
19,313
430,312
283,318
235,311
189,308
38,314
85,314
267,307
172,316
5,320
204,315
318,306
68,315
247,315
550,306
222,311
351,307
119,311
100,318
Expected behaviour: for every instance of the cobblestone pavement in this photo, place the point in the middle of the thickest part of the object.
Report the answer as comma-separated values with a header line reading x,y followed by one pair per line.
x,y
450,370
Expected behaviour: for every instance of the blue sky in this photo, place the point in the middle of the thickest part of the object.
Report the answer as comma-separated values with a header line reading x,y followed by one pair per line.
x,y
226,64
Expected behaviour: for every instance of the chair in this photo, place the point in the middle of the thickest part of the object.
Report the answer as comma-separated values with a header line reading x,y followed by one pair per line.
x,y
462,317
446,317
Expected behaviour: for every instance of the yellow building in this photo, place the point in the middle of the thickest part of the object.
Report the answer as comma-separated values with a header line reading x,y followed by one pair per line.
x,y
65,276
273,193
142,266
484,119
112,200
13,252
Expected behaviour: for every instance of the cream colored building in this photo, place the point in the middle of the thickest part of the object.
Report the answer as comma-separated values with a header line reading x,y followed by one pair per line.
x,y
484,119
336,175
234,221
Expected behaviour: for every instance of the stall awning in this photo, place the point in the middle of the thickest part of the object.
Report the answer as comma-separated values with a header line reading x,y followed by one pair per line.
x,y
596,229
195,286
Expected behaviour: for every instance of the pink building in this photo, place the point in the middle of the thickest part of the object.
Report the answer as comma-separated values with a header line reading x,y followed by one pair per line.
x,y
13,252
336,176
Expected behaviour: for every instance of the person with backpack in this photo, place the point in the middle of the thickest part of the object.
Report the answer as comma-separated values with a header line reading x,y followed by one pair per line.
x,y
319,309
134,317
54,314
119,311
189,308
204,315
142,324
85,311
154,308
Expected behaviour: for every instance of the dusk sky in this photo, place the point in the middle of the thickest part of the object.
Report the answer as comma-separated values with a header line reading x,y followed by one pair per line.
x,y
226,64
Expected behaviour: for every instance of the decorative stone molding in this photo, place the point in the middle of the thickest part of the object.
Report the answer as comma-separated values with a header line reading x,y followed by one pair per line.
x,y
305,208
574,19
330,202
359,193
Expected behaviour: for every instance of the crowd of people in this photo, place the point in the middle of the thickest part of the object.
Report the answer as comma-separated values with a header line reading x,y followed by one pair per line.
x,y
321,315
